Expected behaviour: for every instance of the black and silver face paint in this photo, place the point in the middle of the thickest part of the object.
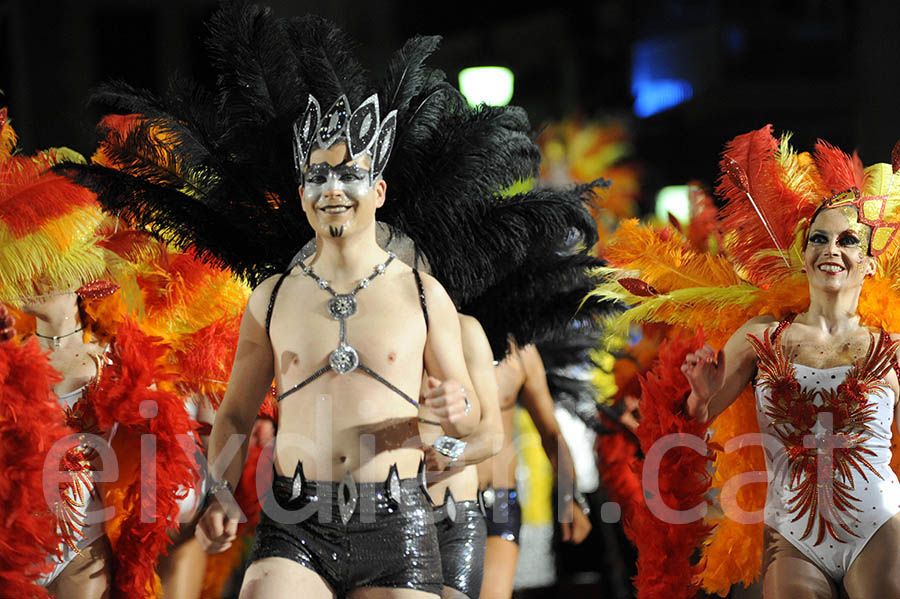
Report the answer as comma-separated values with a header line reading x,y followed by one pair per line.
x,y
321,178
336,231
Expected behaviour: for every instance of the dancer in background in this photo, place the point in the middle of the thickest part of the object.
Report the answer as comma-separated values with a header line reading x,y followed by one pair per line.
x,y
520,377
460,521
67,266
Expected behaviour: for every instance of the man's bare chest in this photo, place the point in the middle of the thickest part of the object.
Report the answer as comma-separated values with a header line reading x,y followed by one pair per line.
x,y
385,326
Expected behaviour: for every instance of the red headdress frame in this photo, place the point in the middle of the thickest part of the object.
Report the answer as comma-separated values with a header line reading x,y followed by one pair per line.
x,y
871,212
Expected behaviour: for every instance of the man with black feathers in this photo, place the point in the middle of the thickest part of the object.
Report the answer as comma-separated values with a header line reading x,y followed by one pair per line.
x,y
346,333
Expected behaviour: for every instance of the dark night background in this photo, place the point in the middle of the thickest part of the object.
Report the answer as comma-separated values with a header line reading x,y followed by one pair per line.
x,y
821,68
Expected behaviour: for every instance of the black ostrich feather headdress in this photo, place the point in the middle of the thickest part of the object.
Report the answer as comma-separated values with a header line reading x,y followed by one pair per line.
x,y
217,168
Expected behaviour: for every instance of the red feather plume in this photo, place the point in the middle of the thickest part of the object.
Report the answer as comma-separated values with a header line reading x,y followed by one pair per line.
x,y
838,170
124,395
31,421
665,549
895,157
755,155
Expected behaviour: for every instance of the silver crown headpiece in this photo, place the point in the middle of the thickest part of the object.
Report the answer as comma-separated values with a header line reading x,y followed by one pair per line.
x,y
363,130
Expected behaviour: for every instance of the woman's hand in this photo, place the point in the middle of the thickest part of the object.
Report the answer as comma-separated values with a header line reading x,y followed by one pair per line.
x,y
7,331
705,372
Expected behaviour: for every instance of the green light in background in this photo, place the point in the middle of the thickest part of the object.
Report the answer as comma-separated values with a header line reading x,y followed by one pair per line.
x,y
488,85
673,199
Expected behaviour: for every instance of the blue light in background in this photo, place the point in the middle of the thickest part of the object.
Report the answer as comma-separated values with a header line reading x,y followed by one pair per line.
x,y
659,74
656,95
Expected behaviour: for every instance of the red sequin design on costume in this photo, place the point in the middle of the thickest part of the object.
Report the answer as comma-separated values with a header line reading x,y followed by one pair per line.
x,y
79,463
794,416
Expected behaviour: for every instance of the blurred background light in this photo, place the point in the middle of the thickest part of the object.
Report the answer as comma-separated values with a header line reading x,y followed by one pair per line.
x,y
661,74
674,200
487,85
656,95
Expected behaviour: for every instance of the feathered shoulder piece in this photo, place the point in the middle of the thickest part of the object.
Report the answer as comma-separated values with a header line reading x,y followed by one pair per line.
x,y
134,393
215,169
195,308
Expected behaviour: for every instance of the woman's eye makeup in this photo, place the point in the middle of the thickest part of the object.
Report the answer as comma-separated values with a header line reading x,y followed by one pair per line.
x,y
848,239
845,239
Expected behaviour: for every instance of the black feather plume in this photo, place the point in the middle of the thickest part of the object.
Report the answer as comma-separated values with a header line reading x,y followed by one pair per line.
x,y
213,168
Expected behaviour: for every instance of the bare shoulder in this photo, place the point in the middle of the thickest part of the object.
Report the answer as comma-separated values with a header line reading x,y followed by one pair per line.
x,y
470,326
258,304
437,297
531,357
758,325
474,339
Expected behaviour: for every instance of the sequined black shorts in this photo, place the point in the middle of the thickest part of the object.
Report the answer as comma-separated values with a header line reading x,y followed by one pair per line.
x,y
503,513
387,541
462,535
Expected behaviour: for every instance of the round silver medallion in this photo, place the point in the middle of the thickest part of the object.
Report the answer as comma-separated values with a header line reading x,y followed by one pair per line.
x,y
344,359
342,306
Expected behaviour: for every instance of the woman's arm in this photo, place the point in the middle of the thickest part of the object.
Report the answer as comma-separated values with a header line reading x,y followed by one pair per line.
x,y
717,379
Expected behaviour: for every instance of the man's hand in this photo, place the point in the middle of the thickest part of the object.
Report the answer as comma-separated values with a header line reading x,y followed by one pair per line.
x,y
435,461
216,530
7,331
580,526
448,400
437,465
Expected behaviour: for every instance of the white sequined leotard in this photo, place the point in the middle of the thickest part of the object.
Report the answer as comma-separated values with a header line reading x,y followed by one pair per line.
x,y
827,442
84,511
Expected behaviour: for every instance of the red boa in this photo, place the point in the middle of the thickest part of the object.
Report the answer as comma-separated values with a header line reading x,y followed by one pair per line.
x,y
665,549
30,423
137,376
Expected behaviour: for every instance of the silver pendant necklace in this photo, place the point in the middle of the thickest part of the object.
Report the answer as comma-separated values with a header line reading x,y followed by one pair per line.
x,y
341,306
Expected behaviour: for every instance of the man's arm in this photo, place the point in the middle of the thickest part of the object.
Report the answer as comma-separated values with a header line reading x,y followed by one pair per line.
x,y
449,382
536,398
487,440
251,376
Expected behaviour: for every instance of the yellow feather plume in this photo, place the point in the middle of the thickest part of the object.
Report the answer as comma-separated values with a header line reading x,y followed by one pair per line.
x,y
666,259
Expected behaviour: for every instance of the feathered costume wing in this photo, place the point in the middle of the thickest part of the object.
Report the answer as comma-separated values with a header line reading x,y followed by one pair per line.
x,y
213,169
770,194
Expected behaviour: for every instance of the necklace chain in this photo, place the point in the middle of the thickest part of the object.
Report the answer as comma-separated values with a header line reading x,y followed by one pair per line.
x,y
342,306
324,284
56,338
